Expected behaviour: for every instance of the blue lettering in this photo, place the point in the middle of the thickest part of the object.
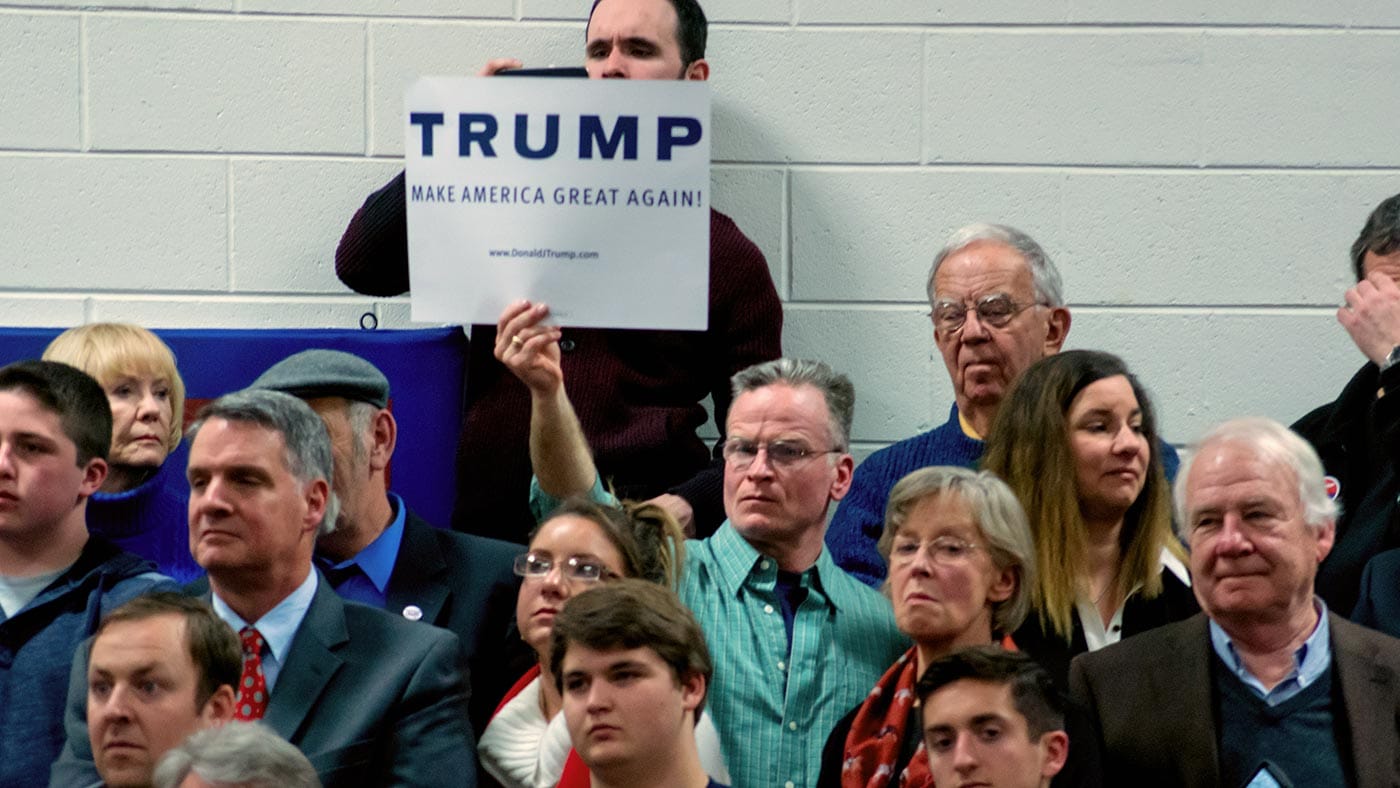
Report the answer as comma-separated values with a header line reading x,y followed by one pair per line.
x,y
595,139
467,134
427,120
522,137
590,130
672,132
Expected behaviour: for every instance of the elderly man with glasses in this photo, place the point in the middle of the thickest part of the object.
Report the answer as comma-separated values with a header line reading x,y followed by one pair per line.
x,y
800,640
997,308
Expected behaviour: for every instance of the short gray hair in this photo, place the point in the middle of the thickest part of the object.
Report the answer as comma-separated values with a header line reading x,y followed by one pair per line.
x,y
237,753
360,416
998,515
308,454
836,389
1273,443
1045,278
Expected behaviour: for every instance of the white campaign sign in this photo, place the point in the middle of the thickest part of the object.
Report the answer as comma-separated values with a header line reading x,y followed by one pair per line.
x,y
589,195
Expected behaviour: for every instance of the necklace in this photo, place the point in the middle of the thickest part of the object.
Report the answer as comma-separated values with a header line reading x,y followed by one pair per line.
x,y
1112,581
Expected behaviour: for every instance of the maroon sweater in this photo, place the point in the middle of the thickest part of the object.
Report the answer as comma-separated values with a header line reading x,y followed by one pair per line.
x,y
638,393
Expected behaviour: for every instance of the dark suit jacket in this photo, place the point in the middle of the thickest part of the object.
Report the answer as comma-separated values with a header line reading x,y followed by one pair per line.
x,y
370,698
465,584
1149,697
1379,604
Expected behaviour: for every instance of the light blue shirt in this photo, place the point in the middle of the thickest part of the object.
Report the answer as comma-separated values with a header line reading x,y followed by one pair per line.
x,y
277,627
1311,661
376,561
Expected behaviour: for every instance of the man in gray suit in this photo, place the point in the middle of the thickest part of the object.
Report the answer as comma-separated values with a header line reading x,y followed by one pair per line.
x,y
369,697
382,554
1265,683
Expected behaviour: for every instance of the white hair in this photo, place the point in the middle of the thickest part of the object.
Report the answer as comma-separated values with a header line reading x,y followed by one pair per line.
x,y
1275,444
238,753
1045,278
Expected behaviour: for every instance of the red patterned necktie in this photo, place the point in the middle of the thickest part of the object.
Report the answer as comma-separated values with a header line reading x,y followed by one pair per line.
x,y
252,686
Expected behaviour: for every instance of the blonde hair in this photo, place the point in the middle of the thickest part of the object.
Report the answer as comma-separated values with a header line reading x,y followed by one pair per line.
x,y
107,351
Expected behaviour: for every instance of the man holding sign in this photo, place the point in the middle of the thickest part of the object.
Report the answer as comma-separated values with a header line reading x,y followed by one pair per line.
x,y
638,393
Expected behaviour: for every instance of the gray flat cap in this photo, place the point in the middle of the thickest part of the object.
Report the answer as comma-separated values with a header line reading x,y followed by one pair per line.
x,y
327,373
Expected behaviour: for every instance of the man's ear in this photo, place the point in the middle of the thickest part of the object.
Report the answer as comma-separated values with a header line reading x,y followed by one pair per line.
x,y
1326,536
1056,329
1054,752
692,691
219,708
318,493
845,469
94,474
384,436
698,71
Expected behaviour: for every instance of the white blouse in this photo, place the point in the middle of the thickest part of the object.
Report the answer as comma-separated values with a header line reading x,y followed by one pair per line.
x,y
1096,635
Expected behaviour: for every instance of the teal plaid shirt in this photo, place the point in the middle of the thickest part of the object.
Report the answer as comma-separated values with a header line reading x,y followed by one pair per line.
x,y
774,709
843,640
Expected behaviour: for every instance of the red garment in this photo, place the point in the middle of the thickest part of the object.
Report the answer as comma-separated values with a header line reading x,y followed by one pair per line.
x,y
638,393
878,732
518,687
880,726
252,685
575,773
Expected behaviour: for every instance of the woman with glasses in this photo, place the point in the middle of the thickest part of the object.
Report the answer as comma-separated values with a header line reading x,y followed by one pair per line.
x,y
578,546
143,503
961,564
1076,439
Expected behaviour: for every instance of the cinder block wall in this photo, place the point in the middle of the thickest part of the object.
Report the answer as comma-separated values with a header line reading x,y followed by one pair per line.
x,y
1197,169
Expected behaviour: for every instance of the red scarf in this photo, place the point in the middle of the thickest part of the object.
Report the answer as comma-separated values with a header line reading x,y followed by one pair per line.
x,y
878,731
879,728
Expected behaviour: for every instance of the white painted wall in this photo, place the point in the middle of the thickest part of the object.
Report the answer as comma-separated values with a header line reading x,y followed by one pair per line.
x,y
1197,168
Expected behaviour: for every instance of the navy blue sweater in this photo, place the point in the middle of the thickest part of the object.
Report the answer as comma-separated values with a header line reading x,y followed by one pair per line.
x,y
36,650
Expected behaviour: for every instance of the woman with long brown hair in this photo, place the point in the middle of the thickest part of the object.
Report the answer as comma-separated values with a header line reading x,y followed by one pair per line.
x,y
1076,439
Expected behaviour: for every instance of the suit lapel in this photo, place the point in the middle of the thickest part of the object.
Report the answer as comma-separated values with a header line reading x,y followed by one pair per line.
x,y
417,578
1186,710
1368,691
311,662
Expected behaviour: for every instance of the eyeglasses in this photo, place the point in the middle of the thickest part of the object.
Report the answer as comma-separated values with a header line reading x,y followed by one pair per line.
x,y
576,567
995,310
741,453
945,550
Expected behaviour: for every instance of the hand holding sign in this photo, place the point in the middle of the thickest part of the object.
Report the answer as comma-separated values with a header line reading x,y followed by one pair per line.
x,y
530,350
497,65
